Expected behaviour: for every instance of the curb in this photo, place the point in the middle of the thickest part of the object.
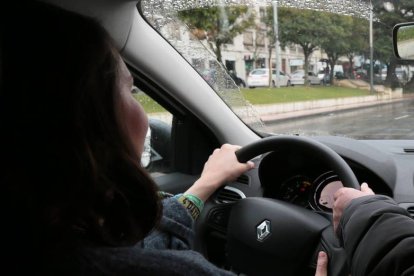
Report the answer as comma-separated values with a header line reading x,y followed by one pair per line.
x,y
279,112
269,113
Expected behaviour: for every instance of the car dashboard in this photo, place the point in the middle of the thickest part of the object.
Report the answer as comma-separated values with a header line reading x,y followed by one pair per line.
x,y
303,179
307,181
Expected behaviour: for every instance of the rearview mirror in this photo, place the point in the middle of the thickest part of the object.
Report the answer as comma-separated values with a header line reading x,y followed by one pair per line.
x,y
403,38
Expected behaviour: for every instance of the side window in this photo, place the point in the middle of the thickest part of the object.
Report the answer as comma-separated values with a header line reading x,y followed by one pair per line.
x,y
156,157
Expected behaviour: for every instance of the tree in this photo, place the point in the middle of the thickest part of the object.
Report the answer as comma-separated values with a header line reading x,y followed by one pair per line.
x,y
358,41
305,28
337,37
388,13
218,24
270,33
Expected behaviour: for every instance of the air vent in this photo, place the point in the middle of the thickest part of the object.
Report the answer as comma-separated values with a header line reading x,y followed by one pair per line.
x,y
229,195
409,150
243,179
411,211
220,217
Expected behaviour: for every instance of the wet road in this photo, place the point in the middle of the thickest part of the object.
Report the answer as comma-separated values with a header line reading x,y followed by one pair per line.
x,y
387,121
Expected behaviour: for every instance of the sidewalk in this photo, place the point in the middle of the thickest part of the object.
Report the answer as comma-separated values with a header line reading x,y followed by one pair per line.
x,y
285,111
275,112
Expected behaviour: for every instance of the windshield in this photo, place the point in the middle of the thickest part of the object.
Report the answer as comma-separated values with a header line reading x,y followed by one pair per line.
x,y
337,71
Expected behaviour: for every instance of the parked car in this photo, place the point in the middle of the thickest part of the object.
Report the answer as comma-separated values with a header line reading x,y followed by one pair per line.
x,y
298,77
361,74
401,74
237,80
212,76
383,73
339,75
260,77
324,77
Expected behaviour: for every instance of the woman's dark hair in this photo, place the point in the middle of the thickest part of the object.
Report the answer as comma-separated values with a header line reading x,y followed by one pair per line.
x,y
69,171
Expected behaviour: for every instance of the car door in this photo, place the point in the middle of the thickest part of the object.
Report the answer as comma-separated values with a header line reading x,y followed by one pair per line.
x,y
283,79
313,79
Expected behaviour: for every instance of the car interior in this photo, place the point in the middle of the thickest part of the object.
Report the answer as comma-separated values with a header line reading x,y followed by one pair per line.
x,y
275,217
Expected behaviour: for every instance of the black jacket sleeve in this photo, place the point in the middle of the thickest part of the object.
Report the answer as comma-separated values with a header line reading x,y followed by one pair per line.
x,y
378,237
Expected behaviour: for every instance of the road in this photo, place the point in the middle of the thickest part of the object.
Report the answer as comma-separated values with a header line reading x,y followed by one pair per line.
x,y
387,121
406,49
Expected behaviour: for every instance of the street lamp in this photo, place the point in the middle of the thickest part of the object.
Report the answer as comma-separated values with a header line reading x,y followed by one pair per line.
x,y
276,29
371,49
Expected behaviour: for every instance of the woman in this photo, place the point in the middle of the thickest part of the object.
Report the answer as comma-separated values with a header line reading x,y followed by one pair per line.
x,y
78,202
72,137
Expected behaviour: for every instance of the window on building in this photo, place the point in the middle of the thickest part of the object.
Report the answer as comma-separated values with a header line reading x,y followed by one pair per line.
x,y
262,14
198,63
212,63
260,39
248,38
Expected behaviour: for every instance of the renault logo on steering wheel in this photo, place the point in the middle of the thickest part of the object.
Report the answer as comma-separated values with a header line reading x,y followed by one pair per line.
x,y
263,230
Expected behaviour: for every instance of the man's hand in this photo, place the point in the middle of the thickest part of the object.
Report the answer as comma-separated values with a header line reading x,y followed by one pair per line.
x,y
342,199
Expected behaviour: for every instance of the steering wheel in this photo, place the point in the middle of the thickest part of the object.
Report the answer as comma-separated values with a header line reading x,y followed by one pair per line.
x,y
268,236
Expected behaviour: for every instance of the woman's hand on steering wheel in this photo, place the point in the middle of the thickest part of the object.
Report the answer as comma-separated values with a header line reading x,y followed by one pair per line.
x,y
221,167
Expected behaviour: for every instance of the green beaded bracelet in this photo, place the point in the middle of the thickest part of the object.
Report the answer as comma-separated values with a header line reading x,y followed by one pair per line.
x,y
189,205
196,200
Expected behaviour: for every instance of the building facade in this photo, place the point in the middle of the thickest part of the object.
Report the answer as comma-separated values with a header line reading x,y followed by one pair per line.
x,y
249,50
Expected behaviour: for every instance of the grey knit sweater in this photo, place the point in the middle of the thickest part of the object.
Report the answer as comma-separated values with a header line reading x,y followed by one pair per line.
x,y
166,251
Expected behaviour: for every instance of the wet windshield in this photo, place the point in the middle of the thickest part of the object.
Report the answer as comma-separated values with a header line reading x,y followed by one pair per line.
x,y
326,67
